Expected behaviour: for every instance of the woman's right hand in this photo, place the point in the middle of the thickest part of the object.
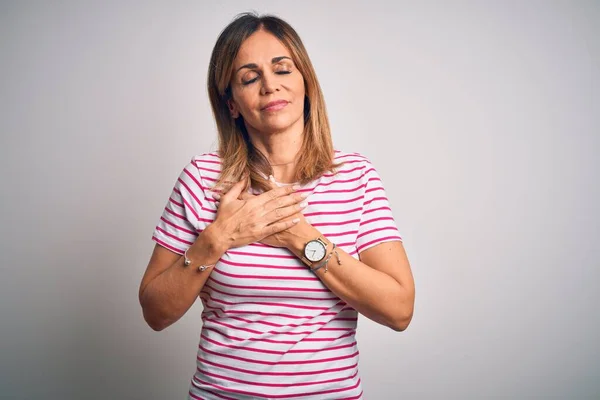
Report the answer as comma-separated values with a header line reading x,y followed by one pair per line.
x,y
252,218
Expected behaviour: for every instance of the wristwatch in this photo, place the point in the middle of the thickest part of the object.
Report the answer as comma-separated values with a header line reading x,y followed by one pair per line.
x,y
315,250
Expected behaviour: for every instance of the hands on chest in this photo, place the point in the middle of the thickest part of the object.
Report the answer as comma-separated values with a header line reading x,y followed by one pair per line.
x,y
273,217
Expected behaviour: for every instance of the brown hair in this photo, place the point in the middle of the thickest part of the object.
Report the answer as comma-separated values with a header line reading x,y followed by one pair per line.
x,y
240,159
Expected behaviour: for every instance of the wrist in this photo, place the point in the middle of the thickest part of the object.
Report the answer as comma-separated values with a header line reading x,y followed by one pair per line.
x,y
218,234
300,241
210,245
296,244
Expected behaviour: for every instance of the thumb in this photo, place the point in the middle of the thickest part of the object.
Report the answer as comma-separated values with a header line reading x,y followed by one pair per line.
x,y
234,191
246,196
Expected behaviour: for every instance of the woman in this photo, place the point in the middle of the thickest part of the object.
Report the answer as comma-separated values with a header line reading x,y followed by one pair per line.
x,y
282,237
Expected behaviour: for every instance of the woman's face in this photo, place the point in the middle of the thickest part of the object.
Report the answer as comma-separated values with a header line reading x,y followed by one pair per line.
x,y
267,89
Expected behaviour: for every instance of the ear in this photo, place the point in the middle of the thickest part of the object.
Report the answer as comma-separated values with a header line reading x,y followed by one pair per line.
x,y
233,108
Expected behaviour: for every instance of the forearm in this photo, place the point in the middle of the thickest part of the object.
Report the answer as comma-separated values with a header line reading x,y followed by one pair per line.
x,y
372,293
168,296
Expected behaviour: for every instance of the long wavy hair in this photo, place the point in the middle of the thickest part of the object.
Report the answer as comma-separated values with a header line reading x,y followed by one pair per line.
x,y
240,159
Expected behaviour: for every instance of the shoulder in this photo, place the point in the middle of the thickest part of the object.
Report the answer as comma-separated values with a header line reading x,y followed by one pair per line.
x,y
355,158
203,169
209,162
346,156
354,162
208,165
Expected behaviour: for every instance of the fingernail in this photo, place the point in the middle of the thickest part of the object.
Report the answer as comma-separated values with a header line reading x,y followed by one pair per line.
x,y
304,195
303,204
296,187
216,196
271,178
296,220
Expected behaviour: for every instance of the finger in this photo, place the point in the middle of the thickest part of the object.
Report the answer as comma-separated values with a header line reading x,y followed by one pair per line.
x,y
246,196
275,193
234,191
285,201
281,226
284,212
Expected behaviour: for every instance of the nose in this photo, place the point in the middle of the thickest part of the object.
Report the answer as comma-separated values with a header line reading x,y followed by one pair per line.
x,y
269,83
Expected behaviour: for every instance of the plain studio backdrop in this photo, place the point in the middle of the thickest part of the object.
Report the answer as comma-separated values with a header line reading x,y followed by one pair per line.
x,y
482,117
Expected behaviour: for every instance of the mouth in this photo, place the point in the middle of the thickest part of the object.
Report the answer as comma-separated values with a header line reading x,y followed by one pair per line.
x,y
275,105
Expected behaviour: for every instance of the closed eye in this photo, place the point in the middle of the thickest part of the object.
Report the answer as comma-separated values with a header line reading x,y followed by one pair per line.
x,y
255,79
250,81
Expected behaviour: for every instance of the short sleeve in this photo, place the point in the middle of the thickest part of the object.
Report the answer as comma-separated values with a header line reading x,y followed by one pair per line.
x,y
377,224
177,228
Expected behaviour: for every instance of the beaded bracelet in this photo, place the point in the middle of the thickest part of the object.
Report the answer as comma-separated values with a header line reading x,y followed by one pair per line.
x,y
324,262
336,255
187,262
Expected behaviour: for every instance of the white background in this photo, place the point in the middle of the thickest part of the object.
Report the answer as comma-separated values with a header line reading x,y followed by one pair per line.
x,y
482,117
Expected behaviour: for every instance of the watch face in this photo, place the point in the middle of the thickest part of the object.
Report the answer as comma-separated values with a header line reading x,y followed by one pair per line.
x,y
314,251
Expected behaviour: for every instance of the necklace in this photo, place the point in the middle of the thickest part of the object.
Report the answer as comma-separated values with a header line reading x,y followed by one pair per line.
x,y
277,165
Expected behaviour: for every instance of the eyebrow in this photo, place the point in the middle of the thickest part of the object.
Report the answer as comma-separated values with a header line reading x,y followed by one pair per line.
x,y
275,60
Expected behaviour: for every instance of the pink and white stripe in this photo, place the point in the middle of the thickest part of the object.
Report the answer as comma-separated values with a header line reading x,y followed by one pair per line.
x,y
271,329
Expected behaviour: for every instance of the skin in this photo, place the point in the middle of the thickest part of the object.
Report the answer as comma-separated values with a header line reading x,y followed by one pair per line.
x,y
264,72
380,285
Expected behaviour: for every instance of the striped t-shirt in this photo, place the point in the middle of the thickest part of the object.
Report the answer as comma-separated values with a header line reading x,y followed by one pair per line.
x,y
271,329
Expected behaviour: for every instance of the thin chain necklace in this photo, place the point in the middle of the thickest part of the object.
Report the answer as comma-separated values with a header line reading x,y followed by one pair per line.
x,y
277,165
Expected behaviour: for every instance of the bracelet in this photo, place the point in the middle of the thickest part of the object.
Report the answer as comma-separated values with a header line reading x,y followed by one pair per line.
x,y
337,256
187,262
324,262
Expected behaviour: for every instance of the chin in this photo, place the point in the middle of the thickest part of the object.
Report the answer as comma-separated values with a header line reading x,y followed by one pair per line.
x,y
275,127
278,124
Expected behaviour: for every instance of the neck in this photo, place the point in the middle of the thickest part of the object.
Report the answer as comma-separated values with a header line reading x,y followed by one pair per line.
x,y
281,149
